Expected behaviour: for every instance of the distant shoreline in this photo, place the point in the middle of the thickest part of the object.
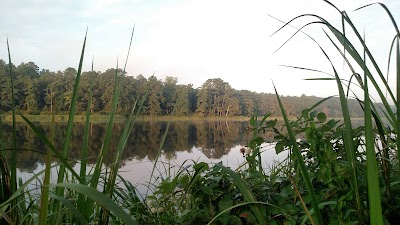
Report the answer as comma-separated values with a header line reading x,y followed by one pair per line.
x,y
121,118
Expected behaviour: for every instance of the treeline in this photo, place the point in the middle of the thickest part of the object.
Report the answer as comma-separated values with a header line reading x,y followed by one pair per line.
x,y
43,91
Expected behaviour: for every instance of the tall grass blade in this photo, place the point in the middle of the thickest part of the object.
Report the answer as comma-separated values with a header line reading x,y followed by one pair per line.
x,y
61,172
100,199
85,145
20,191
44,199
124,136
14,136
374,196
5,189
50,146
239,205
348,142
84,152
121,146
398,97
303,169
105,146
160,148
356,56
71,116
110,186
77,214
107,138
13,182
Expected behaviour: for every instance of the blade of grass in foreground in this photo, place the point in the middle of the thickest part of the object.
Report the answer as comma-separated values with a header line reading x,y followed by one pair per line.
x,y
101,199
374,196
84,153
77,215
296,150
14,137
13,185
242,204
398,97
110,187
120,149
44,198
347,132
50,146
160,148
61,172
71,116
107,138
358,59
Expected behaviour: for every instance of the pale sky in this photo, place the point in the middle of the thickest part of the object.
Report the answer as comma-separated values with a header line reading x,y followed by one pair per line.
x,y
193,40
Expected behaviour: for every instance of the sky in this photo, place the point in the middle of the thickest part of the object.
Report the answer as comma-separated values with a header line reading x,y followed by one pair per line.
x,y
193,40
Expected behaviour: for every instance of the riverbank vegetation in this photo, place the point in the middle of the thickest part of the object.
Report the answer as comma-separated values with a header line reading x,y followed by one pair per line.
x,y
335,173
43,91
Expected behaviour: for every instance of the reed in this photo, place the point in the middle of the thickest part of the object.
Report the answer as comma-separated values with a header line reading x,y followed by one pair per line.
x,y
82,200
353,59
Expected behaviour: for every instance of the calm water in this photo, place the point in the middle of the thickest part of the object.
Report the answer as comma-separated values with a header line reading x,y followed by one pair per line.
x,y
211,142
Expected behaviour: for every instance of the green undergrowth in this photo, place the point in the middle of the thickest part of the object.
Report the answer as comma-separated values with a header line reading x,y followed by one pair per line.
x,y
201,193
334,173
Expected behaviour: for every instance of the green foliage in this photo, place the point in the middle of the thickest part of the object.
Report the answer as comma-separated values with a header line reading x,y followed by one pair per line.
x,y
43,91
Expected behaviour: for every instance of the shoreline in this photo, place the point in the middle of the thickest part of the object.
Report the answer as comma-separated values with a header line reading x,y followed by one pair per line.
x,y
122,118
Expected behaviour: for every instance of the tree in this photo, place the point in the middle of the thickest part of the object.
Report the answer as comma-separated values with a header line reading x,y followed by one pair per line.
x,y
182,102
69,76
155,96
213,97
202,106
169,91
29,69
31,93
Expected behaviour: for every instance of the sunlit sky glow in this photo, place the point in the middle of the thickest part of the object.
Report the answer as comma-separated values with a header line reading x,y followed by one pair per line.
x,y
192,40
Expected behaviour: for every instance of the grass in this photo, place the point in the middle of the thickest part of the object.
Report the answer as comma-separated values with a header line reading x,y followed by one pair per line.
x,y
335,173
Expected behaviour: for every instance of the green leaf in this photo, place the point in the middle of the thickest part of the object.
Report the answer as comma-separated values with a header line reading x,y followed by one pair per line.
x,y
207,190
279,147
71,207
225,203
100,199
245,190
253,121
256,142
305,174
234,220
201,166
321,117
313,114
272,123
304,113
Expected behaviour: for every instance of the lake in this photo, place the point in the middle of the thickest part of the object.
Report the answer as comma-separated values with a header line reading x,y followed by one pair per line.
x,y
207,141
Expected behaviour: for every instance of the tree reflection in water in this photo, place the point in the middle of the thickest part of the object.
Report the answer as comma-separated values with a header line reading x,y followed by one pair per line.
x,y
210,141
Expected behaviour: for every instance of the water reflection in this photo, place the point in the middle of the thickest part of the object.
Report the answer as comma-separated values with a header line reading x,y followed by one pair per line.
x,y
210,138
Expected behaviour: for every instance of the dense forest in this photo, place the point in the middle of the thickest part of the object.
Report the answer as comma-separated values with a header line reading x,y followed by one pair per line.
x,y
43,91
